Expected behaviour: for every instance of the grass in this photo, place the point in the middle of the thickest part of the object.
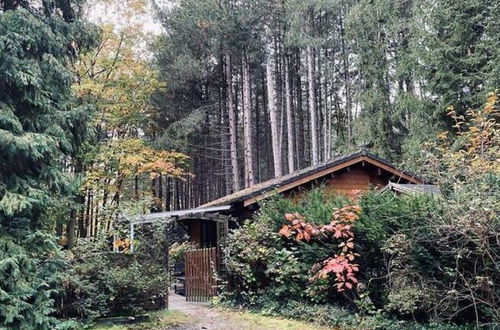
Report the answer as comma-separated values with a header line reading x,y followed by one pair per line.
x,y
159,320
241,319
255,321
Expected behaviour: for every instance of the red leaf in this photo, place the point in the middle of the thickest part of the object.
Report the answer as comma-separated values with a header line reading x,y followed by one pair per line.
x,y
285,231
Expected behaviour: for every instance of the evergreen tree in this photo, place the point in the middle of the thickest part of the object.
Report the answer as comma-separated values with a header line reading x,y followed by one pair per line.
x,y
37,128
458,51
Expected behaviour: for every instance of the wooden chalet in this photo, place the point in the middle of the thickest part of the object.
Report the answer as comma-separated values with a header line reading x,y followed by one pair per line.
x,y
360,171
208,224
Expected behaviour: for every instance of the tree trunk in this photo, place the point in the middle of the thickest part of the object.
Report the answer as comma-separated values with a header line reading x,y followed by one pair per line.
x,y
347,83
232,126
168,194
290,129
70,229
273,116
136,187
73,216
300,146
312,105
247,125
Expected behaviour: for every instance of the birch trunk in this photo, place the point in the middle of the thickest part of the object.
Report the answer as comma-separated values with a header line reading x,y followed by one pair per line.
x,y
290,129
312,105
273,116
247,125
232,126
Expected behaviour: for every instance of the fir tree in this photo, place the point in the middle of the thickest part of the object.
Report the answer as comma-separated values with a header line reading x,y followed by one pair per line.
x,y
37,128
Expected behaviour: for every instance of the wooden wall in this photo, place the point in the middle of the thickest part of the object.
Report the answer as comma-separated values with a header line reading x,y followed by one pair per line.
x,y
355,179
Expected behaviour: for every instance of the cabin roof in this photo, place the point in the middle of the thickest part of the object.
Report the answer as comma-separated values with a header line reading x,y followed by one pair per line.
x,y
411,188
264,189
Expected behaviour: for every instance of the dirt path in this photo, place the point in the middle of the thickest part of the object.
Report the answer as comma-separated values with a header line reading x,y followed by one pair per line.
x,y
204,317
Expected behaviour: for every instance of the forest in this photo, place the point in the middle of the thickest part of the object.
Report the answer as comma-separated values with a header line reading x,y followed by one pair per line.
x,y
113,108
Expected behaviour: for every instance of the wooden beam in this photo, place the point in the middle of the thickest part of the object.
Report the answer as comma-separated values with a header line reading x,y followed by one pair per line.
x,y
392,170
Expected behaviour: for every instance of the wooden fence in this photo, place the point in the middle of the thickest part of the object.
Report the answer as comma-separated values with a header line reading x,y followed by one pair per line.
x,y
200,272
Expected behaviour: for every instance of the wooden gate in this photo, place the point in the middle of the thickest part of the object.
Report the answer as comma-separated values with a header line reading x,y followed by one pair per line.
x,y
201,268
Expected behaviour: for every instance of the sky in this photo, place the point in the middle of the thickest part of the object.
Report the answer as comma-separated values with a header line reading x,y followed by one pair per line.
x,y
116,12
126,13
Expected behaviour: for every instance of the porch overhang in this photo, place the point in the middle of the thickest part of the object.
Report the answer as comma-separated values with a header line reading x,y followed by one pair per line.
x,y
201,213
205,212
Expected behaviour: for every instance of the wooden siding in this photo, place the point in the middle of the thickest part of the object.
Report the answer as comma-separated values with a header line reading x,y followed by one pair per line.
x,y
347,181
357,177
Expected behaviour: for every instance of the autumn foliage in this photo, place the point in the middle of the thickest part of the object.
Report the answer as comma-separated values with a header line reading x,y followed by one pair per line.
x,y
340,228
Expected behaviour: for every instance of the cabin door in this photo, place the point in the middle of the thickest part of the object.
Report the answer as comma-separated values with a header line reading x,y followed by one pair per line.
x,y
201,269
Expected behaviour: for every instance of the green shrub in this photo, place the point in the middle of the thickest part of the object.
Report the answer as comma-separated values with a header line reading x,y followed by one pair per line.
x,y
433,257
315,205
384,219
264,267
415,251
177,251
100,283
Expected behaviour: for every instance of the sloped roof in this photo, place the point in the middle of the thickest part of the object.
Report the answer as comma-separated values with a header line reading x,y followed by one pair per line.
x,y
411,188
286,182
155,216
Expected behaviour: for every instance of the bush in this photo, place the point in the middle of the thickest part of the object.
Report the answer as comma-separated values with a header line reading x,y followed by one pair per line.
x,y
100,283
264,267
415,250
382,233
430,257
177,251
